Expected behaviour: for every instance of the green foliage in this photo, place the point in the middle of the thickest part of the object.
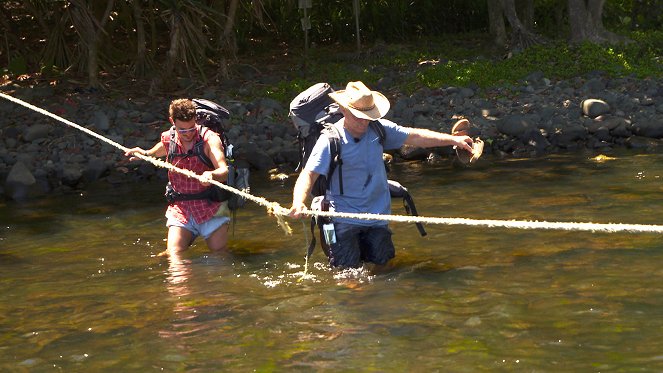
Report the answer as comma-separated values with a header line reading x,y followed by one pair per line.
x,y
18,65
558,61
322,69
467,60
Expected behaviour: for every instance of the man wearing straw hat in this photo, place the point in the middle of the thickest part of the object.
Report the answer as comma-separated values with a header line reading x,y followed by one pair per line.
x,y
365,188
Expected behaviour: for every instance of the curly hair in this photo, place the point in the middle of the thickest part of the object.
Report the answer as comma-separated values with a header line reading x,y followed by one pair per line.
x,y
182,109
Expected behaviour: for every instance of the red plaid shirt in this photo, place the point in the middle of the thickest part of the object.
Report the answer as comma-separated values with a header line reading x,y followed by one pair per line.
x,y
201,210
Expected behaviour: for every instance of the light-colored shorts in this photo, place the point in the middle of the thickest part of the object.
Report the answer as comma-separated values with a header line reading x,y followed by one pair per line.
x,y
204,230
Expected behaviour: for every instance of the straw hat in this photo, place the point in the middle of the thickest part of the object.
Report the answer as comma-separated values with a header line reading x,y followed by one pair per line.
x,y
462,128
361,101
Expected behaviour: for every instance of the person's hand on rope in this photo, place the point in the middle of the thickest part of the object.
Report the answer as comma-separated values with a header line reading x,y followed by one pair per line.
x,y
296,210
206,178
133,151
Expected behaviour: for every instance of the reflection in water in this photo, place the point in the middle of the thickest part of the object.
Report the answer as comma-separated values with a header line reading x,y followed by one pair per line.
x,y
463,298
184,320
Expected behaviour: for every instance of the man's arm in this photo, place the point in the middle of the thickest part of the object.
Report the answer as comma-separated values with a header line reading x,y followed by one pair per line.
x,y
426,138
158,150
214,150
301,191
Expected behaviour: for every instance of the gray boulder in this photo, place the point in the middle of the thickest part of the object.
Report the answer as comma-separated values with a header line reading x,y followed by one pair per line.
x,y
593,107
648,127
71,175
101,121
94,169
35,132
20,184
249,153
516,125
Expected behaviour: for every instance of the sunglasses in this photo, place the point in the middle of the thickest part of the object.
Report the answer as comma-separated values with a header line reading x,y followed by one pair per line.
x,y
186,130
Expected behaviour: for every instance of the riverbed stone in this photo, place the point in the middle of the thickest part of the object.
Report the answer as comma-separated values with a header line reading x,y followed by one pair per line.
x,y
528,118
411,153
595,85
640,142
570,134
648,127
37,131
101,121
94,169
515,125
20,183
71,175
594,107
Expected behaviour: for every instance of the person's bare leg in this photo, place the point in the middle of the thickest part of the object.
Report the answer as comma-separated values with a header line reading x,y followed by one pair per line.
x,y
179,240
218,240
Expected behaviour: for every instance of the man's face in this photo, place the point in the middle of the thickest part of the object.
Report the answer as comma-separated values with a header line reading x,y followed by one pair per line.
x,y
186,130
354,121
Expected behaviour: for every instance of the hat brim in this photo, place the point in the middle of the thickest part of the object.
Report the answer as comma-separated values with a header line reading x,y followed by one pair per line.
x,y
380,109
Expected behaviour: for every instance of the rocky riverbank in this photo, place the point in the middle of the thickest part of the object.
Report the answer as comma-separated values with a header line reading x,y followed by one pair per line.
x,y
39,155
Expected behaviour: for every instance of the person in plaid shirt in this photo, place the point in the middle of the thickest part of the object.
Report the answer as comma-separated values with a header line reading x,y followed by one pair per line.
x,y
197,213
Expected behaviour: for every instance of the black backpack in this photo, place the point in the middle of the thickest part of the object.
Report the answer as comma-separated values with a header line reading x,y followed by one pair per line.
x,y
313,113
211,116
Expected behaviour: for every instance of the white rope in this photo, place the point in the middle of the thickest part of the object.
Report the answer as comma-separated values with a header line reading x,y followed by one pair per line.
x,y
494,223
280,212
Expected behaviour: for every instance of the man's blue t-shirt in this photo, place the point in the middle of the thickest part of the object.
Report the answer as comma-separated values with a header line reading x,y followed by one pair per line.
x,y
365,188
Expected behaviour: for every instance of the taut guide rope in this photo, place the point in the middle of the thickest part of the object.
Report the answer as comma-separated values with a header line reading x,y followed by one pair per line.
x,y
280,212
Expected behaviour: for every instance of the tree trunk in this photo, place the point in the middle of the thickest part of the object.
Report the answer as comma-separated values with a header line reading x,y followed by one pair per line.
x,y
228,35
140,62
173,51
521,37
559,16
496,22
527,13
586,19
357,8
90,32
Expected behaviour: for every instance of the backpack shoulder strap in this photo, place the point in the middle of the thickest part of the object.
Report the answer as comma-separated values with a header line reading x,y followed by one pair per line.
x,y
334,137
172,146
199,148
379,128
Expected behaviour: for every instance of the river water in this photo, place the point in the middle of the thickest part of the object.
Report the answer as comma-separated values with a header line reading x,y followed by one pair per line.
x,y
83,290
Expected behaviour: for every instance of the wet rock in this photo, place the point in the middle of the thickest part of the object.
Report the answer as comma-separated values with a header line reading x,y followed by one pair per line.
x,y
11,132
37,131
569,135
602,134
101,121
515,125
639,142
94,169
623,130
595,85
409,153
466,92
535,78
594,107
648,127
20,183
255,156
71,175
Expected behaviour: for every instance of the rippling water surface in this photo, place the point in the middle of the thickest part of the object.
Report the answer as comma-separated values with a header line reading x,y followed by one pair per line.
x,y
82,289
